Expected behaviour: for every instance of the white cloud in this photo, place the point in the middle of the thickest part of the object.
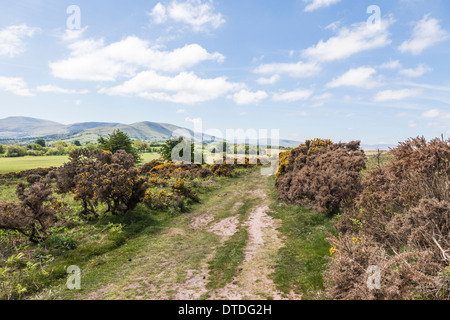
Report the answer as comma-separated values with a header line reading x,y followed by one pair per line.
x,y
292,96
391,65
186,88
72,35
417,72
195,13
16,86
435,113
11,39
349,41
295,70
325,96
412,124
55,89
360,77
92,60
193,120
317,4
181,111
247,97
333,26
427,33
159,13
395,95
272,80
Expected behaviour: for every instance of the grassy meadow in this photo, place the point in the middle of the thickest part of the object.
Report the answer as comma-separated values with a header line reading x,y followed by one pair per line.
x,y
25,163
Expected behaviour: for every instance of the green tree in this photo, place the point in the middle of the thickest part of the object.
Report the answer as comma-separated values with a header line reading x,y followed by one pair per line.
x,y
140,146
90,146
40,142
60,146
77,143
16,151
2,149
169,145
119,140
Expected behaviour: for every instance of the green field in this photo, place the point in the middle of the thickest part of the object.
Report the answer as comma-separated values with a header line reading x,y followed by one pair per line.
x,y
25,163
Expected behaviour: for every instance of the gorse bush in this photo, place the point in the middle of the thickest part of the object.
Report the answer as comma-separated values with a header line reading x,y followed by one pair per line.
x,y
34,214
102,177
322,174
403,220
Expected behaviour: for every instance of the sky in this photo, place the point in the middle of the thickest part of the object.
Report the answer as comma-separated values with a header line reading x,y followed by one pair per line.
x,y
375,71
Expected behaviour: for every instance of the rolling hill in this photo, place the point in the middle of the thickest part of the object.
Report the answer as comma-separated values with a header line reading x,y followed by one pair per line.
x,y
25,128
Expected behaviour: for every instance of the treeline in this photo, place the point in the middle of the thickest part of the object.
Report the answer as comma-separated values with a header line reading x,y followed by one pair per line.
x,y
41,148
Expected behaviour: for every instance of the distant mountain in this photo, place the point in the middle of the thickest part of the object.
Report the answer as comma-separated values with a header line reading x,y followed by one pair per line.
x,y
24,129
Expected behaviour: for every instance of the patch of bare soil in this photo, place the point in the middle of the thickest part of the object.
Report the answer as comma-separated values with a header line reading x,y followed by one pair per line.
x,y
253,281
202,220
226,227
194,287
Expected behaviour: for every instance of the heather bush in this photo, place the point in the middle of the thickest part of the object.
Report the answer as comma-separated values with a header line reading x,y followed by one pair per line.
x,y
322,174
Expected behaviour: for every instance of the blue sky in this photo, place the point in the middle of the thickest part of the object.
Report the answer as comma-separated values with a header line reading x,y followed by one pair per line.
x,y
311,68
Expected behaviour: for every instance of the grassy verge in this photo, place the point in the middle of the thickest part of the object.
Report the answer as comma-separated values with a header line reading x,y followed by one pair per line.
x,y
302,261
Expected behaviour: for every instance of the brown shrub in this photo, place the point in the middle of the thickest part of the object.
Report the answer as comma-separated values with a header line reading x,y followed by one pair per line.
x,y
404,212
323,174
33,215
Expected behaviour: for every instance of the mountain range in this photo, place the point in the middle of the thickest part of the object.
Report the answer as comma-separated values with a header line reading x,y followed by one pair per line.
x,y
26,130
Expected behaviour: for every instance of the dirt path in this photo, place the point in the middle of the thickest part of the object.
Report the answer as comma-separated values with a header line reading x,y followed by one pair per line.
x,y
253,281
175,265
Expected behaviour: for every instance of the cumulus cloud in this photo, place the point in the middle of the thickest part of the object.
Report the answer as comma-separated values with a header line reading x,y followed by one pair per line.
x,y
73,34
361,77
12,39
292,96
16,86
393,64
349,41
248,97
186,87
55,89
93,60
436,113
317,4
417,72
195,13
295,70
395,95
272,80
427,33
